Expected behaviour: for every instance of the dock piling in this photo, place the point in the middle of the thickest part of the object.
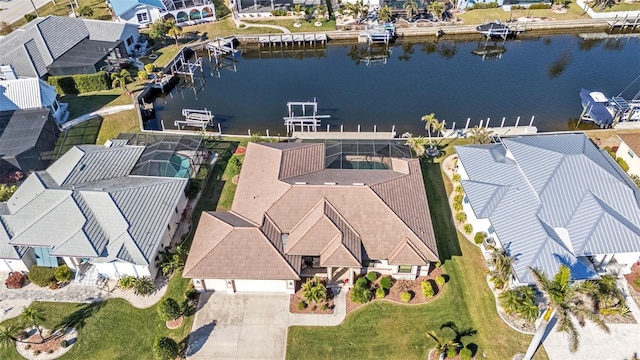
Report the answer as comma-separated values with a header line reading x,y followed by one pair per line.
x,y
517,121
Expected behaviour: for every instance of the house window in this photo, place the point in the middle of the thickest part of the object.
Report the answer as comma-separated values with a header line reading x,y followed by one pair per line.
x,y
130,38
370,263
405,269
491,230
631,154
142,17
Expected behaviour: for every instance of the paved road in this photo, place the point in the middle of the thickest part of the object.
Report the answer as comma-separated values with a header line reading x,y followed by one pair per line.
x,y
13,10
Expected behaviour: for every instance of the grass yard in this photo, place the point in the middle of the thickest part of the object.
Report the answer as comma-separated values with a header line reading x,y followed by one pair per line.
x,y
380,329
623,6
122,122
307,25
479,16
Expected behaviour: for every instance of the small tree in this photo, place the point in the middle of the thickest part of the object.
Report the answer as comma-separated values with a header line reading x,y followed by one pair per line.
x,y
442,345
313,290
297,12
143,286
86,11
121,79
174,30
436,8
63,274
411,8
165,348
479,237
385,14
8,336
33,317
520,300
168,309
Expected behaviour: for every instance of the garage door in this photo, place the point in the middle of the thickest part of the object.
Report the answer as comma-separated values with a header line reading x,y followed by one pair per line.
x,y
215,284
261,286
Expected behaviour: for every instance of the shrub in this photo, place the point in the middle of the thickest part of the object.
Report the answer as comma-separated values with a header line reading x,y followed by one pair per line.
x,y
438,264
452,352
15,280
27,347
81,83
427,289
458,198
385,282
461,217
324,307
63,274
459,189
360,295
456,177
636,282
165,348
467,228
405,296
53,285
149,68
539,6
490,5
457,206
623,164
188,307
127,282
362,283
440,280
143,286
142,75
279,12
380,293
41,275
372,276
168,309
36,352
301,305
64,343
479,237
465,354
29,17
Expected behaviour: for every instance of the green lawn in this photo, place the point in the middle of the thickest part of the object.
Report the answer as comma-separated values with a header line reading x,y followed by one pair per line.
x,y
63,8
385,330
623,6
122,122
479,16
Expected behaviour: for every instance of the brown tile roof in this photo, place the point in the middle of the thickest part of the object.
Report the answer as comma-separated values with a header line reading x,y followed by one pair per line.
x,y
632,140
405,253
301,160
234,253
337,254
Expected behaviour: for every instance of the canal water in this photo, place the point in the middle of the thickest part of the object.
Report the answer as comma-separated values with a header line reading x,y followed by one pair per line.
x,y
356,85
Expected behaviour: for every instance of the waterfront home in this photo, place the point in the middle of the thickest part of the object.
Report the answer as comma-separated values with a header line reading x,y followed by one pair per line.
x,y
57,45
142,13
504,4
551,200
629,150
306,209
99,209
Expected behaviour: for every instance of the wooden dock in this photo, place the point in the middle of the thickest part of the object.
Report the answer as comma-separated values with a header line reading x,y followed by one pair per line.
x,y
347,135
495,131
286,39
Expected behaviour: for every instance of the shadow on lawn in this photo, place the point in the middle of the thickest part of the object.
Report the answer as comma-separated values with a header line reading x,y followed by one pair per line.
x,y
77,319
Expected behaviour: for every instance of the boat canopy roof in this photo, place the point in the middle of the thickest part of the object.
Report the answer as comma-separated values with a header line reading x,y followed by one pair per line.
x,y
597,96
595,108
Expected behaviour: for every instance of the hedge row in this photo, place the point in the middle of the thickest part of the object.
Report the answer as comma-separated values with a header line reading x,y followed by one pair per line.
x,y
81,83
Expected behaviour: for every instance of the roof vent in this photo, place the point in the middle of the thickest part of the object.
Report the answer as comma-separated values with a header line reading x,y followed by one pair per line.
x,y
329,183
300,183
358,184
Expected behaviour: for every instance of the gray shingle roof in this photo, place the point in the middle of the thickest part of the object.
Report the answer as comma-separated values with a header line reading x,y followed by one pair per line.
x,y
552,199
98,211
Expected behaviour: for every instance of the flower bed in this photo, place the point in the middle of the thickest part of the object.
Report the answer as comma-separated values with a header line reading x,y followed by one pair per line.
x,y
52,348
311,308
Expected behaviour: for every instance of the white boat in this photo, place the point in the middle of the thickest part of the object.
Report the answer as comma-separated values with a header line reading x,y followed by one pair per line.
x,y
605,111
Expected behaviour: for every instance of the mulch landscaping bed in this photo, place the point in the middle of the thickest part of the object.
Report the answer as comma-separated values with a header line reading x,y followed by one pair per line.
x,y
413,286
240,150
52,344
174,324
634,289
311,308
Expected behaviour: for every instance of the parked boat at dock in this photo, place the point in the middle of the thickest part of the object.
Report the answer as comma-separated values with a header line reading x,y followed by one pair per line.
x,y
607,112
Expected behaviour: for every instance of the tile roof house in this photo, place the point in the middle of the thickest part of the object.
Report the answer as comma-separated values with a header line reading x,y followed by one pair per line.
x,y
552,200
142,13
292,217
629,150
46,46
88,209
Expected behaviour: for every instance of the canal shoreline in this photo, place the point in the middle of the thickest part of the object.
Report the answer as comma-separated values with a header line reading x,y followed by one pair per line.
x,y
531,29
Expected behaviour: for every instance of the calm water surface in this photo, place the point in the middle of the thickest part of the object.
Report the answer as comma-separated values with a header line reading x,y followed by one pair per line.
x,y
540,77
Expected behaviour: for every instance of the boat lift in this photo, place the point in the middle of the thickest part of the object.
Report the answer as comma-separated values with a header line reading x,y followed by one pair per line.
x,y
311,122
195,118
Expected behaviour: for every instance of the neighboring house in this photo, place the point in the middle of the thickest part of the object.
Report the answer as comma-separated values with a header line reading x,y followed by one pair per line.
x,y
142,13
629,150
65,46
505,4
552,200
89,209
28,94
302,210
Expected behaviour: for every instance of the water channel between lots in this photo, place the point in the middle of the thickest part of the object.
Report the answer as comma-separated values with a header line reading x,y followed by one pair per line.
x,y
356,85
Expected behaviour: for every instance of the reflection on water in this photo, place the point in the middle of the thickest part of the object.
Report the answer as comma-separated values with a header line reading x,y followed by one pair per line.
x,y
540,77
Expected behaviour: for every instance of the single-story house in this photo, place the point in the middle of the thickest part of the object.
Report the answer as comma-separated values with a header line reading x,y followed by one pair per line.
x,y
551,200
65,46
89,209
504,4
629,150
28,94
307,209
143,13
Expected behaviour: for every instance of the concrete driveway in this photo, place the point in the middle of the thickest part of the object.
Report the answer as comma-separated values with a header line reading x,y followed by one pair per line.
x,y
240,326
13,10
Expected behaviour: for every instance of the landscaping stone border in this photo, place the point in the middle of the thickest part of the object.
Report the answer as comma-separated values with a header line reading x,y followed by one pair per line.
x,y
71,336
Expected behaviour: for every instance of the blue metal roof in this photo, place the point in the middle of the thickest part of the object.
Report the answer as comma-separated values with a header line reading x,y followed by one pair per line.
x,y
122,6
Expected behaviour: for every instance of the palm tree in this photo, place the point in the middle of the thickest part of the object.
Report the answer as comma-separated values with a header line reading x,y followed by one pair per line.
x,y
411,8
121,79
416,144
385,14
480,135
442,345
432,124
174,30
460,332
608,297
33,317
297,11
520,300
8,336
313,290
502,265
321,11
570,300
436,8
